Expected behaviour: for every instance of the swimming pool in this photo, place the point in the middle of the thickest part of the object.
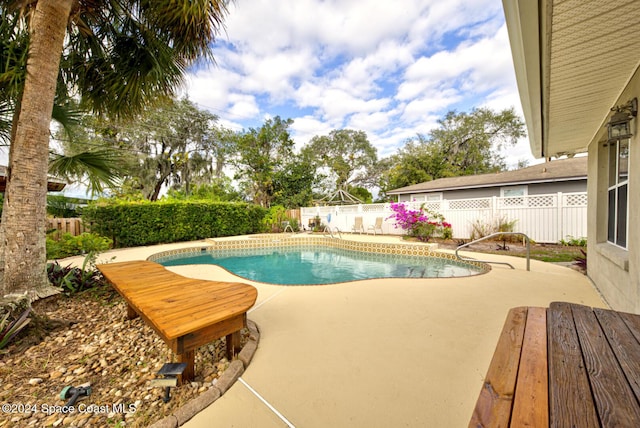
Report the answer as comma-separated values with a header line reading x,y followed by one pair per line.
x,y
302,262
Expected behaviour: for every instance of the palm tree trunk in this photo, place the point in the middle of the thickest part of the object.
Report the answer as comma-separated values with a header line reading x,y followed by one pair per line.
x,y
22,231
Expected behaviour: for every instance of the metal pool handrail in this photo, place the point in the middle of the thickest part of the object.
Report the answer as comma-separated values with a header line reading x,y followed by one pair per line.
x,y
528,241
328,229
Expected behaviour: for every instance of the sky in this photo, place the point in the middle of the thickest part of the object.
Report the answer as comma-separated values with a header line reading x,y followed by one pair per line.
x,y
389,68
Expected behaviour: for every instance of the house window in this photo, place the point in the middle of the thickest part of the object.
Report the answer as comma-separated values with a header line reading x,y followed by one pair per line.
x,y
513,191
618,189
433,197
513,196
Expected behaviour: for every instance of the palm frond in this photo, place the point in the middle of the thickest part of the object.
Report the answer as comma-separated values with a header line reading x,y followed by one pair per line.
x,y
97,169
6,116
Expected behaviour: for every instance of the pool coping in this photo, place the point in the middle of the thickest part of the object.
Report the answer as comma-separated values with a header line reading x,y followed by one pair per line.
x,y
391,249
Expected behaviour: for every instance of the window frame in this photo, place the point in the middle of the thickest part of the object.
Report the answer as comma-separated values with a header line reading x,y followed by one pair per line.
x,y
617,193
523,187
433,197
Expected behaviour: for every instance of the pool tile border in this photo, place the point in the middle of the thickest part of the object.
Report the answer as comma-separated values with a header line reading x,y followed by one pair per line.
x,y
249,244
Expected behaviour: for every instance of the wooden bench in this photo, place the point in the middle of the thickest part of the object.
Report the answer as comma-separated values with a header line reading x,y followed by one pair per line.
x,y
186,313
565,366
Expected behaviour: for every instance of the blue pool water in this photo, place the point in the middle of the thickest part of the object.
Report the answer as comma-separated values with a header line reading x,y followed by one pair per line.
x,y
324,265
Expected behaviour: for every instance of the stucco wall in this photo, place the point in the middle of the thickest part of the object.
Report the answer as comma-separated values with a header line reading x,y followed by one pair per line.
x,y
614,270
564,187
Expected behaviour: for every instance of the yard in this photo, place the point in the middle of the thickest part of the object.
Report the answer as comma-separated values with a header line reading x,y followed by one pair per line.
x,y
551,253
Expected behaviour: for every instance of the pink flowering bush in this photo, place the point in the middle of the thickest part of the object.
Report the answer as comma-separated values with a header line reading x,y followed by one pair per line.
x,y
417,222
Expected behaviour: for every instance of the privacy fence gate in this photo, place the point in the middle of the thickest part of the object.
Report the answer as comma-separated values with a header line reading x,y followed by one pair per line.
x,y
544,218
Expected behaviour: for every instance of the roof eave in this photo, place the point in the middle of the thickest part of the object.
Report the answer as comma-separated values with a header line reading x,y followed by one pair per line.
x,y
523,25
484,186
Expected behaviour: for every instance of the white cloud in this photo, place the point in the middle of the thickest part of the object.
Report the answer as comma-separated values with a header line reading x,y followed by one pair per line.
x,y
369,122
306,127
390,69
243,105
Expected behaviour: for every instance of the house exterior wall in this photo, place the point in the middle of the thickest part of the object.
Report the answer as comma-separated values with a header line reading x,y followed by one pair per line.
x,y
573,186
564,187
487,192
614,270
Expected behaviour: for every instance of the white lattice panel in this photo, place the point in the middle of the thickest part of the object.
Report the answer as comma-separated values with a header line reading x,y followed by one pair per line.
x,y
469,204
518,201
373,208
575,200
346,209
433,206
542,201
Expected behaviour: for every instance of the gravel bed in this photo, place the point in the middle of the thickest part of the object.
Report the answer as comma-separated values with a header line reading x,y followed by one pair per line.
x,y
97,345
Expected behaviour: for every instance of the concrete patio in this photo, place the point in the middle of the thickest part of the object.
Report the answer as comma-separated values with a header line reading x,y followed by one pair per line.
x,y
376,353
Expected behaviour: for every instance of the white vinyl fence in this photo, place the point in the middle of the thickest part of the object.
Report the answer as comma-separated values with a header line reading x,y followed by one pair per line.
x,y
544,218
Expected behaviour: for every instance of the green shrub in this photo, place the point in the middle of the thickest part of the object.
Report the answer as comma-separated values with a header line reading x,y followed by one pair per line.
x,y
317,224
274,219
75,279
69,245
573,242
293,222
135,223
447,232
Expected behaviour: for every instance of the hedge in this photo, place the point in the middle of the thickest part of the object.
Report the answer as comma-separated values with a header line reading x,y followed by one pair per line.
x,y
131,224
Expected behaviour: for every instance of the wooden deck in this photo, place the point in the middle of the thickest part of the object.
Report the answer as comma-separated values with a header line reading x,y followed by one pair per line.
x,y
566,366
187,313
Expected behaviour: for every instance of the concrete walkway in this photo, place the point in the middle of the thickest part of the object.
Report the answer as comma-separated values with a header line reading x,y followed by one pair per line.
x,y
376,353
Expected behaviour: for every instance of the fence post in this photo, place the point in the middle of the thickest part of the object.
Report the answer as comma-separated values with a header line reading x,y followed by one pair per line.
x,y
560,208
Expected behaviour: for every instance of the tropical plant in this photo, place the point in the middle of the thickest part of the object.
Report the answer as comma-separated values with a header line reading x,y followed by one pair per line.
x,y
9,330
317,225
83,49
98,170
60,206
75,279
418,224
68,245
481,227
581,261
294,223
276,216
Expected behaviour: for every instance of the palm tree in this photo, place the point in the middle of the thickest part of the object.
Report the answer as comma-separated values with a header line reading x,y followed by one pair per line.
x,y
116,56
96,169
